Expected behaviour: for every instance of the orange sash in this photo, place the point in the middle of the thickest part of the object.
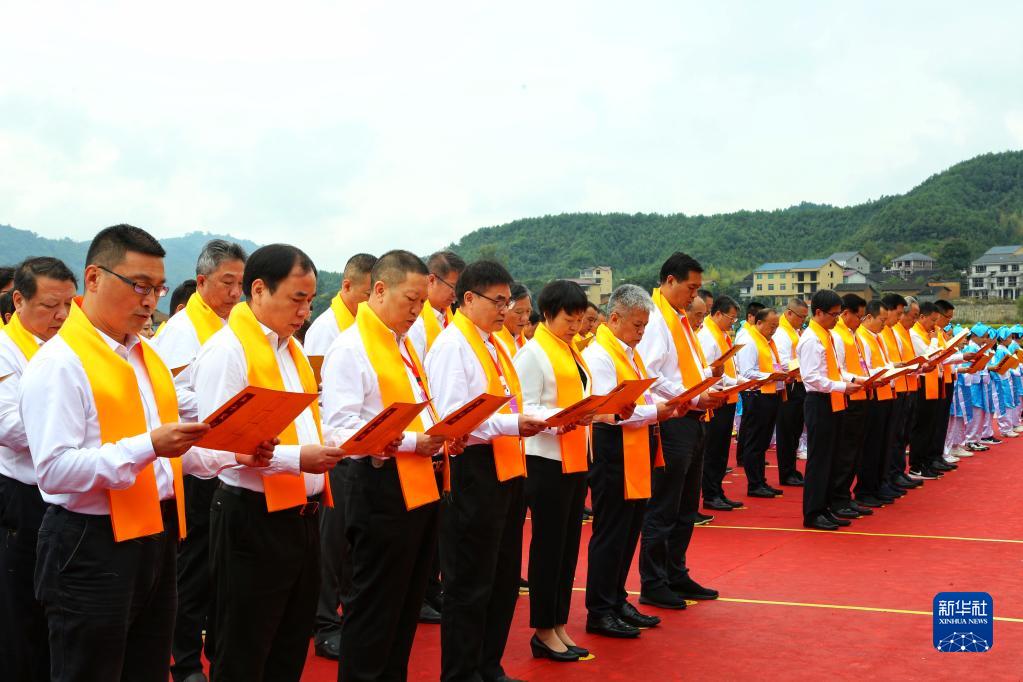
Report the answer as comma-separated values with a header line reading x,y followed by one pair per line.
x,y
907,353
831,360
22,338
430,324
415,473
134,511
342,315
724,342
767,357
786,326
878,359
932,378
283,491
686,347
565,360
891,345
853,361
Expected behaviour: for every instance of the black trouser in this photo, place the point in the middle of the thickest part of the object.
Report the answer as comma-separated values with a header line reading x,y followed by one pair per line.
x,y
266,576
434,595
873,467
674,501
715,452
617,522
849,452
194,586
391,554
895,420
335,560
759,415
822,429
789,430
110,605
556,502
922,436
480,559
903,429
24,645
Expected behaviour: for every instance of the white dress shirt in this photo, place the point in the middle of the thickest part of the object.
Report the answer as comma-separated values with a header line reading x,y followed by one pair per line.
x,y
417,335
15,458
321,333
456,377
840,355
657,348
351,389
178,344
712,351
786,349
605,378
221,371
813,365
747,363
59,412
540,395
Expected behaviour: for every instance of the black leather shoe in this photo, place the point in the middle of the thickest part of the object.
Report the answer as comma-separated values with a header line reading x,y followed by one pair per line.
x,y
905,481
792,480
938,465
541,650
860,509
610,625
428,614
869,501
820,522
735,505
631,616
762,491
328,647
702,519
690,589
846,513
505,678
717,504
836,520
662,598
889,491
776,491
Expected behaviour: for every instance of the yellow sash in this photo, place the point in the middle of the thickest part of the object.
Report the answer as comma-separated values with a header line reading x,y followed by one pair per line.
x,y
725,344
932,379
581,341
283,491
509,341
565,360
767,357
22,338
891,346
786,326
635,439
430,324
852,355
685,345
206,322
907,353
342,314
134,511
831,360
509,456
415,472
878,359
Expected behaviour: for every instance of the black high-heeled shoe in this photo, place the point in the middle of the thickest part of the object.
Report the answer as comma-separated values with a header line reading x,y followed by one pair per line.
x,y
578,651
541,650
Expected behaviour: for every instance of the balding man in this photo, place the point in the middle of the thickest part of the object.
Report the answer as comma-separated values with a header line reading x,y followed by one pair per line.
x,y
696,312
445,268
340,315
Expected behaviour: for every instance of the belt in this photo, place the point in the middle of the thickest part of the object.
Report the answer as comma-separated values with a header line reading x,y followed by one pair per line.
x,y
694,414
311,506
375,462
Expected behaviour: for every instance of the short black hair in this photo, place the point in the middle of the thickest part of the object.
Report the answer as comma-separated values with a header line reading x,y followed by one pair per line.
x,y
6,276
754,307
892,301
30,269
679,265
359,265
443,263
182,293
534,317
6,305
273,264
824,300
723,304
593,305
561,295
480,275
519,291
705,294
944,306
109,246
874,307
763,314
853,302
394,266
927,308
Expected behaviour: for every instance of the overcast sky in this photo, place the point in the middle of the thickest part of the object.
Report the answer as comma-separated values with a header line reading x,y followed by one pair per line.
x,y
346,127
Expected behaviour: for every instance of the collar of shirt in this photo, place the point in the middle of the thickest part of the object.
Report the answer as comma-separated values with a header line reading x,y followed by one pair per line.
x,y
122,349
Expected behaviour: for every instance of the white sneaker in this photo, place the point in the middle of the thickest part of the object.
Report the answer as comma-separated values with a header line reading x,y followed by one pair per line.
x,y
800,455
964,453
950,458
1019,429
1010,434
957,451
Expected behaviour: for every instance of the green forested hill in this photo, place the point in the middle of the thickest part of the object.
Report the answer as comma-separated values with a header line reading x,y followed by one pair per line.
x,y
953,216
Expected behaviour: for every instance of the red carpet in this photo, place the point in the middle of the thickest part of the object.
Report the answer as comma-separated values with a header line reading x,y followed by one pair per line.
x,y
974,524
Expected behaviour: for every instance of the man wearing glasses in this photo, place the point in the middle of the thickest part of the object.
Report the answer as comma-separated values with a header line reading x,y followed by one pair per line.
x,y
445,268
790,414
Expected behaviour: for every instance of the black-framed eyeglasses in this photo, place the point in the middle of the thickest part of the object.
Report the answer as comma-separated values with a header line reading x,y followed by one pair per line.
x,y
835,314
446,283
798,314
500,301
140,288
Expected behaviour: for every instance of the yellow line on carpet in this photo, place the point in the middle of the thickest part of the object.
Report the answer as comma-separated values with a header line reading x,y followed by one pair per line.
x,y
858,532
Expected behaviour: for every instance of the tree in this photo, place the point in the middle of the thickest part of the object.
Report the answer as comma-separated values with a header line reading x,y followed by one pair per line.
x,y
955,254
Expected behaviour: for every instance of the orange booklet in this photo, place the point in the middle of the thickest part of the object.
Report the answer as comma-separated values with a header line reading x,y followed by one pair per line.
x,y
316,362
725,356
374,437
696,390
252,416
463,420
624,394
586,407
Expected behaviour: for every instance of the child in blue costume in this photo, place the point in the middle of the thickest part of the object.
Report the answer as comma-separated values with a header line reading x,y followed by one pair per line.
x,y
1002,386
961,410
978,433
1016,378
